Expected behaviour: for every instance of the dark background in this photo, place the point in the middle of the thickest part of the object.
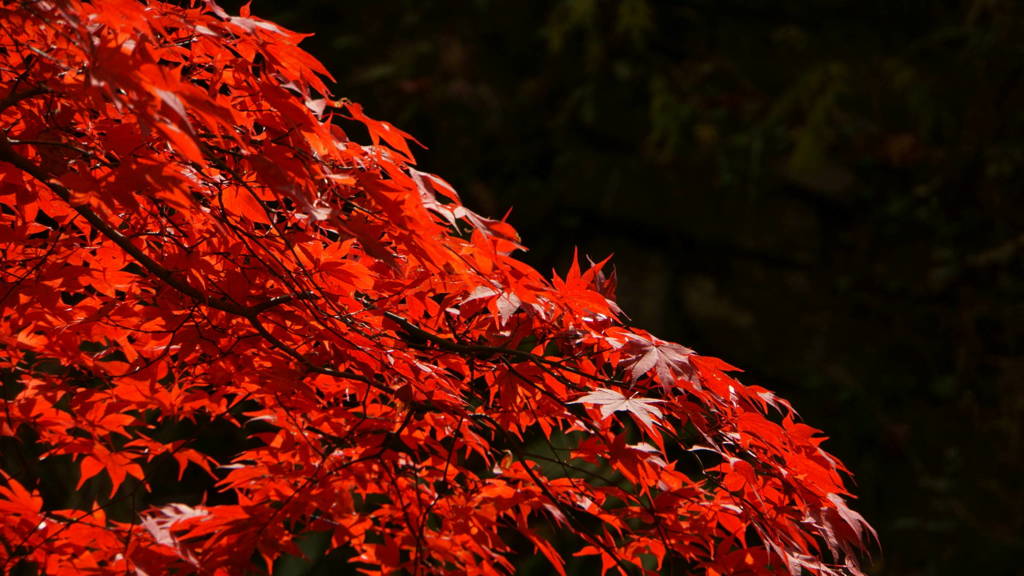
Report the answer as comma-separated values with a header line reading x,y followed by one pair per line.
x,y
824,193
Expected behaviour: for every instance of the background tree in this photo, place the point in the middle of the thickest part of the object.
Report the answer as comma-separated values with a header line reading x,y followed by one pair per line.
x,y
205,278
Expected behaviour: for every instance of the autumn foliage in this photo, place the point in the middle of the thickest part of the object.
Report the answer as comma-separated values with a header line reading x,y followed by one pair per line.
x,y
226,324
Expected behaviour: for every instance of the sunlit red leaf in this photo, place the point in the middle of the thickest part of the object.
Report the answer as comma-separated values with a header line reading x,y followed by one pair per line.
x,y
609,401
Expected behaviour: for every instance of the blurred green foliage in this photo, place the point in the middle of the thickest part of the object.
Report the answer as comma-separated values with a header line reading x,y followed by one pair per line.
x,y
825,193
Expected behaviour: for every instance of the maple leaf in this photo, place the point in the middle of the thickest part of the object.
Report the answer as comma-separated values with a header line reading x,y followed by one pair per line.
x,y
609,401
668,360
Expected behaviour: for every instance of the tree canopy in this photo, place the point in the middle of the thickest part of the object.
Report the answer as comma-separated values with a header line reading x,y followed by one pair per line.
x,y
205,278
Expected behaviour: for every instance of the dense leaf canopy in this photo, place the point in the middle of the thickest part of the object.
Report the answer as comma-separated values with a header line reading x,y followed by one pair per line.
x,y
204,277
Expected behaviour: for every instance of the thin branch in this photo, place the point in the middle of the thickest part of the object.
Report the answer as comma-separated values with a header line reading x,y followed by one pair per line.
x,y
478,349
8,154
15,97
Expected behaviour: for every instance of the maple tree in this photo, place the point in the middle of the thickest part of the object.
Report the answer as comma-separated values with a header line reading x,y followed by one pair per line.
x,y
205,279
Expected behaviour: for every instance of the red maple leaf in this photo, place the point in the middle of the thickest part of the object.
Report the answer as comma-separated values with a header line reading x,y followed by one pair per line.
x,y
609,401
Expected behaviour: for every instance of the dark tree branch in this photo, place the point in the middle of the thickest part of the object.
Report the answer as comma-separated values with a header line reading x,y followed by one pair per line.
x,y
8,154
